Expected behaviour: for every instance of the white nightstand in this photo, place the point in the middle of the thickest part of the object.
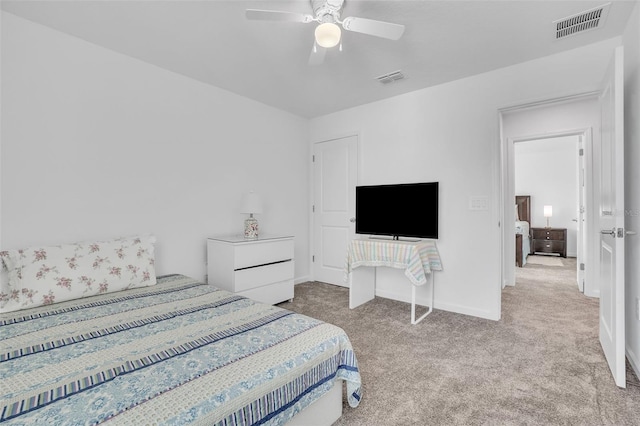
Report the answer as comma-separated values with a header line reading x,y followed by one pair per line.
x,y
261,269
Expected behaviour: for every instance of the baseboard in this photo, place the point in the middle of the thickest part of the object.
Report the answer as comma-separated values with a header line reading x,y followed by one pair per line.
x,y
595,294
634,361
449,307
301,280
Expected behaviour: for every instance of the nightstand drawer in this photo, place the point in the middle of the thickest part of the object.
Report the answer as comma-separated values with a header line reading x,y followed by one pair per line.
x,y
549,240
271,294
260,253
262,269
548,246
249,278
544,234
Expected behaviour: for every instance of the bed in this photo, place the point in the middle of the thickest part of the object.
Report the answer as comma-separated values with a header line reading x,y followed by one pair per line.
x,y
523,229
174,352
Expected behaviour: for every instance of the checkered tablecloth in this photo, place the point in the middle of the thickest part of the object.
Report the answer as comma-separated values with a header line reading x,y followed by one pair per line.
x,y
416,258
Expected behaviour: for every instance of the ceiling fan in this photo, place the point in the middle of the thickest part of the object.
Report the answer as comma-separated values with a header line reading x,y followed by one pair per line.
x,y
326,13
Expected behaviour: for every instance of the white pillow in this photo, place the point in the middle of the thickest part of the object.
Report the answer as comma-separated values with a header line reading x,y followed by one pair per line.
x,y
43,275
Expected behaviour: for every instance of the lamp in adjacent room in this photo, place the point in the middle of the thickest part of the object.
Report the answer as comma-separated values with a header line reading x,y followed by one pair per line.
x,y
251,204
548,212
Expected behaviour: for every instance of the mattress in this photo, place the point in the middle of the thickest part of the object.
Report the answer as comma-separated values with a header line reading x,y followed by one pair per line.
x,y
180,352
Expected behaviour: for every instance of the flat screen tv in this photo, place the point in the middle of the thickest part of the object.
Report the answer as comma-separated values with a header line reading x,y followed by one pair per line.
x,y
400,210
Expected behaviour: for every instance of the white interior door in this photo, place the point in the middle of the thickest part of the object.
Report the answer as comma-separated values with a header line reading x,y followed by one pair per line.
x,y
612,328
335,175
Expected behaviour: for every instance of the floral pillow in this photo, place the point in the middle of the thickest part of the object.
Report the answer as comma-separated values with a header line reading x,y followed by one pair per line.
x,y
39,276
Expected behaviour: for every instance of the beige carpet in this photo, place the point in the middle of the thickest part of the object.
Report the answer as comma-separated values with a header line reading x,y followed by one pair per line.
x,y
539,259
541,364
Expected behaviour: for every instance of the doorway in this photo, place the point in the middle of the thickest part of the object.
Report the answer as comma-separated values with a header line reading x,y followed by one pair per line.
x,y
605,245
550,173
335,168
577,117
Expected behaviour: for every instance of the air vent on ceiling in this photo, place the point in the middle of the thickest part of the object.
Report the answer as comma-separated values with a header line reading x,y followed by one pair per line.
x,y
391,77
580,22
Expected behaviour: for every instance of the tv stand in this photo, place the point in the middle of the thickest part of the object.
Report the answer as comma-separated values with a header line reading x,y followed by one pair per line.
x,y
418,259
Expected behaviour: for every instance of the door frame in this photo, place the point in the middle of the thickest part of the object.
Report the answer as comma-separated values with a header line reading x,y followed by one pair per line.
x,y
583,196
507,191
312,185
586,136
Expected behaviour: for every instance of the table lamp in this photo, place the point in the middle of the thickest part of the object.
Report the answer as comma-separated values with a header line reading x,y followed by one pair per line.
x,y
548,212
251,204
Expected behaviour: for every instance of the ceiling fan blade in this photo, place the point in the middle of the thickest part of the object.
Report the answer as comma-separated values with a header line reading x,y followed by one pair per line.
x,y
317,54
277,15
374,28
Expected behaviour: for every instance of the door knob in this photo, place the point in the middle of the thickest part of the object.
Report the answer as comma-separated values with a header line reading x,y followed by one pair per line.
x,y
352,220
609,232
620,232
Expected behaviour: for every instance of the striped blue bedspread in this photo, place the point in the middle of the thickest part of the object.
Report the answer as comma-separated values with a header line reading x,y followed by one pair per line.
x,y
180,352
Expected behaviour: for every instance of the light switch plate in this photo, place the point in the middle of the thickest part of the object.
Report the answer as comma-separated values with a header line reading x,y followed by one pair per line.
x,y
479,202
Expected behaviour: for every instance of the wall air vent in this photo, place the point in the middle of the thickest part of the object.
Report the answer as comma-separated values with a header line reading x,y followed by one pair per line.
x,y
391,77
581,22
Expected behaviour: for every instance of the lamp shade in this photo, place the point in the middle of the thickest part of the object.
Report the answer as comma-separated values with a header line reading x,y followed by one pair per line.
x,y
251,203
548,211
328,34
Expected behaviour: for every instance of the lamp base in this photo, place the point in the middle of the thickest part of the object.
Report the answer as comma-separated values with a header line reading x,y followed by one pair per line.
x,y
251,228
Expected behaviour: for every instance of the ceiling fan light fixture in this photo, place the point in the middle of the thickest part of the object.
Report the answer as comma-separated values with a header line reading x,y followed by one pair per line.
x,y
328,34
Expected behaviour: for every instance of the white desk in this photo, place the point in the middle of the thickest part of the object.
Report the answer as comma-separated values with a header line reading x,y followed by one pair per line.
x,y
417,258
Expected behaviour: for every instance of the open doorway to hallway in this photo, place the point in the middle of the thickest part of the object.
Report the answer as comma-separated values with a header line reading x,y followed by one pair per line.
x,y
577,118
549,172
606,243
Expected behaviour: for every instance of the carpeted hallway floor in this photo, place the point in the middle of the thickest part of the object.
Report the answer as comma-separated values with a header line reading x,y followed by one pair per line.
x,y
541,364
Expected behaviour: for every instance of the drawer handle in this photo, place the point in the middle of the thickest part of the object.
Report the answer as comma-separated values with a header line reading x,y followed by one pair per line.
x,y
263,264
548,245
547,238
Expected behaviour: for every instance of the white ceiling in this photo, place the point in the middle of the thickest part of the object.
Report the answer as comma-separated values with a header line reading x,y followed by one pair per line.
x,y
212,41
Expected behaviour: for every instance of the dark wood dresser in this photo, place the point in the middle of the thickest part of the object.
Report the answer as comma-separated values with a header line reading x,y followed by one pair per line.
x,y
550,240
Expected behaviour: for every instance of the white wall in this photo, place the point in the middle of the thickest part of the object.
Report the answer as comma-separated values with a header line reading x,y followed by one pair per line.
x,y
632,184
450,133
97,145
547,170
